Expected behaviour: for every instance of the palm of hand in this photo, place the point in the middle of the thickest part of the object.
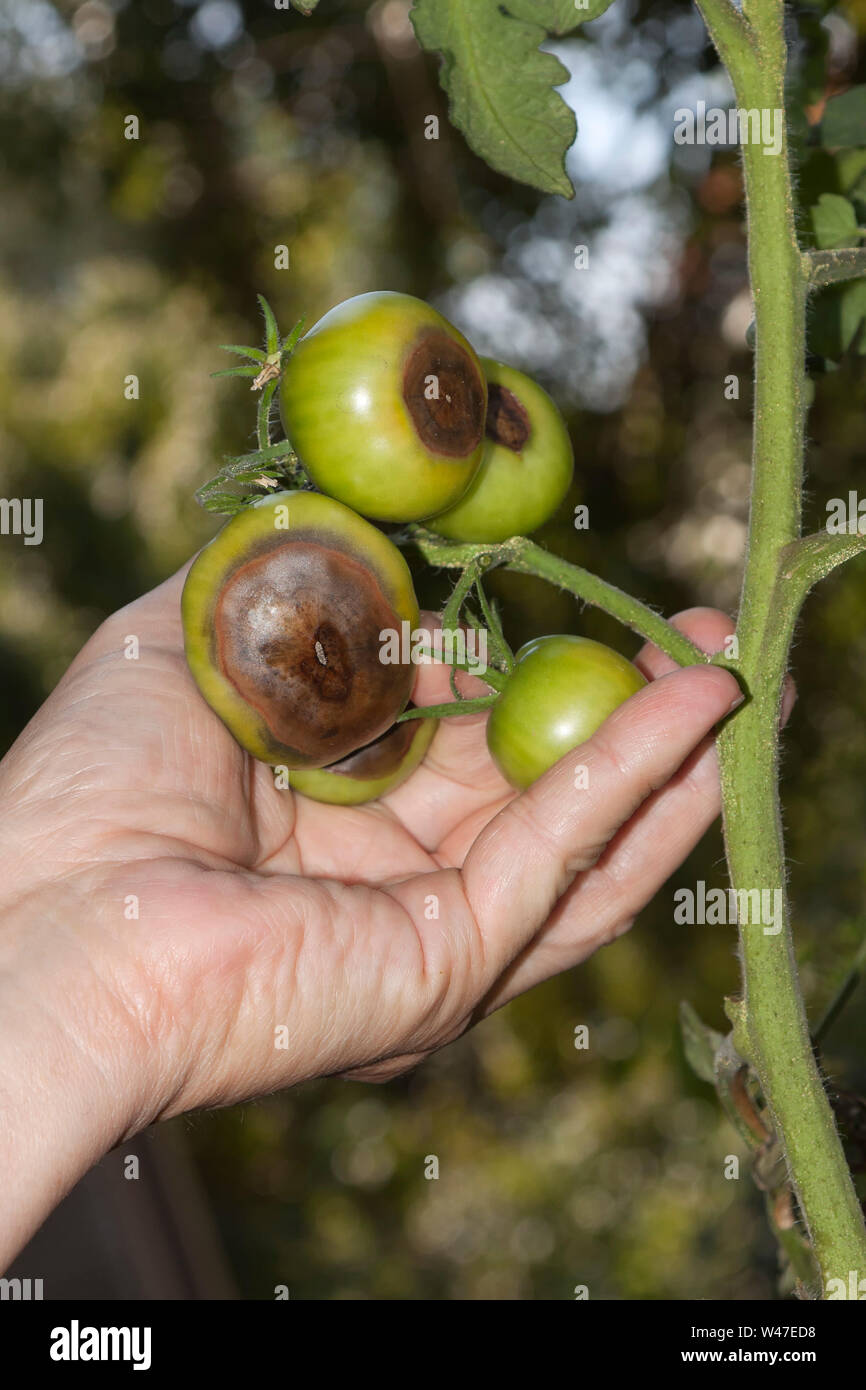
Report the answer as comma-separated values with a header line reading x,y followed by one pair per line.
x,y
210,917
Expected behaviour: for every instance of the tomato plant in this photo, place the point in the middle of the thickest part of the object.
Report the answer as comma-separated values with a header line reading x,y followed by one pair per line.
x,y
385,406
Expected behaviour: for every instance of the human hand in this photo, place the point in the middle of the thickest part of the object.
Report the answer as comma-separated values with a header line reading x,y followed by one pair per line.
x,y
165,909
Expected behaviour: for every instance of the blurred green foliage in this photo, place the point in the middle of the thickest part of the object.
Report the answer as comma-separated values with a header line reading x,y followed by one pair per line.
x,y
558,1166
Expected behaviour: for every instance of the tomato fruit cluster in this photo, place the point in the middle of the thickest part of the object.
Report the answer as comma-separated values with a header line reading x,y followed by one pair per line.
x,y
395,419
385,403
391,412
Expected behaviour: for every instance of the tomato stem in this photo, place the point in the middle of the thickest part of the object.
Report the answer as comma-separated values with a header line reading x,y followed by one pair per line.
x,y
770,1027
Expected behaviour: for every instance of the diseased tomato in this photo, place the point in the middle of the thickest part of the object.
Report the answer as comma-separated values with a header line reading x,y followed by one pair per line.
x,y
282,616
384,402
526,467
372,771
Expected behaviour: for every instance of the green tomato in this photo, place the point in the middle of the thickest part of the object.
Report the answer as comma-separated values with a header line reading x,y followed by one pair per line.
x,y
284,614
372,771
561,690
384,403
526,467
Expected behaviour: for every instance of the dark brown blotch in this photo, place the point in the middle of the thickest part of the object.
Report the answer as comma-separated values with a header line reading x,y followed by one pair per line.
x,y
297,634
381,757
444,393
508,421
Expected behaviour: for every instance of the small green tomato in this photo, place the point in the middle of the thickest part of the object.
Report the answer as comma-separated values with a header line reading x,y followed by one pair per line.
x,y
526,467
561,690
384,402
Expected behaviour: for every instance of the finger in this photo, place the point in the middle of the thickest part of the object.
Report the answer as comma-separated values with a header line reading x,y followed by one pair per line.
x,y
526,858
433,681
711,630
708,628
602,903
458,780
459,753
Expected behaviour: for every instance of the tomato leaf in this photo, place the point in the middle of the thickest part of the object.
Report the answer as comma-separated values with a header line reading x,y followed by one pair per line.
x,y
834,221
700,1043
501,88
557,16
838,321
844,120
304,6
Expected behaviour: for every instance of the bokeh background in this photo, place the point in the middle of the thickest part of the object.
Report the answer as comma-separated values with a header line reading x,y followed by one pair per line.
x,y
259,127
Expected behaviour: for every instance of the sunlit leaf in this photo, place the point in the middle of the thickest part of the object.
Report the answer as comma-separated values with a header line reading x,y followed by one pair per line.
x,y
557,16
501,88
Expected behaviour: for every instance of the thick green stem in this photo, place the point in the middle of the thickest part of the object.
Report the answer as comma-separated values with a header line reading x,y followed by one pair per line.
x,y
771,1029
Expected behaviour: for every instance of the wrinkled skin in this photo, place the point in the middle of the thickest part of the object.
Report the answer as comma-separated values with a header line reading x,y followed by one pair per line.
x,y
257,909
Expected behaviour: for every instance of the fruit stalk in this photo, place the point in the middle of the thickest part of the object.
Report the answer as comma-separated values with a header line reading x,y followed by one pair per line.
x,y
525,557
771,1029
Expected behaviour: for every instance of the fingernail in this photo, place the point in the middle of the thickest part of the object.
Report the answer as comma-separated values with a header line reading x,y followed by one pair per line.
x,y
736,702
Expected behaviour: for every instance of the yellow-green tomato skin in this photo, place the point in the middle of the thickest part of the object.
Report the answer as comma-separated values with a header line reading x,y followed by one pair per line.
x,y
526,467
384,402
562,690
338,787
282,614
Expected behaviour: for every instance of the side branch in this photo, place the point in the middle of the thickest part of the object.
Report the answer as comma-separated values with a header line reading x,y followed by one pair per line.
x,y
811,558
729,30
832,267
525,557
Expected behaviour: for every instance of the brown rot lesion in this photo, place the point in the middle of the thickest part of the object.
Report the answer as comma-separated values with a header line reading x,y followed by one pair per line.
x,y
445,394
298,637
508,421
381,757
